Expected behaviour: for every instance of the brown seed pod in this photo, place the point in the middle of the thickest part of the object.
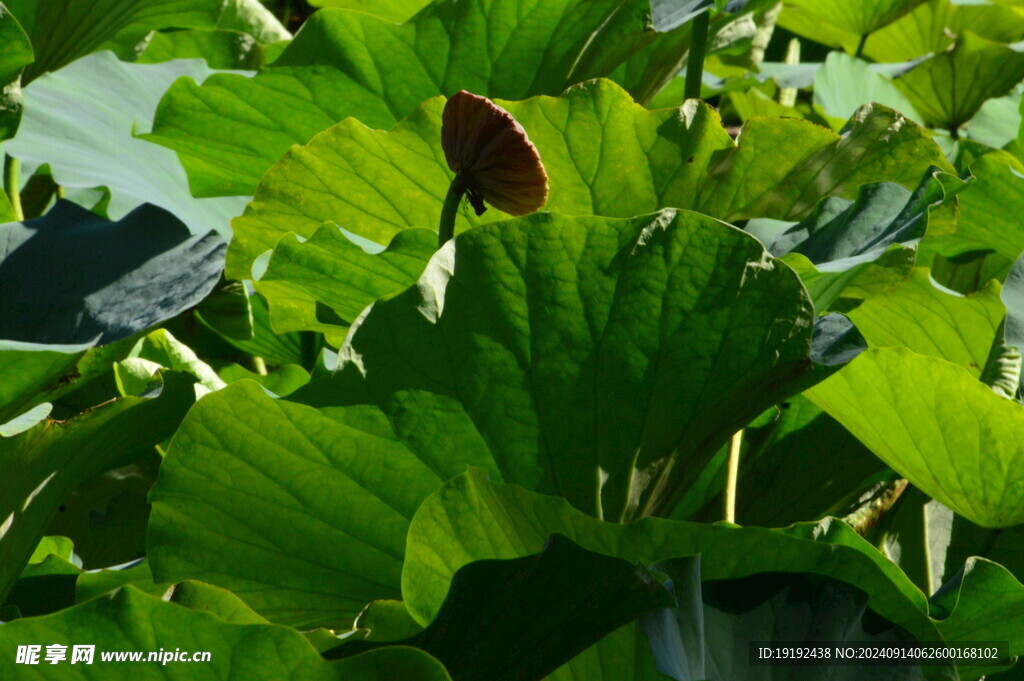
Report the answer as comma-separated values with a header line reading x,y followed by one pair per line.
x,y
492,155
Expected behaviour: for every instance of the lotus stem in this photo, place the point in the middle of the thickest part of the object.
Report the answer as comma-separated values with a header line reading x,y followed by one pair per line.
x,y
732,475
787,95
12,185
860,46
695,60
446,228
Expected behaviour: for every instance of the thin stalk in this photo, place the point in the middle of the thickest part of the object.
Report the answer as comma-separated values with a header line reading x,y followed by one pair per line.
x,y
61,193
695,60
860,46
732,475
259,365
446,228
12,185
787,95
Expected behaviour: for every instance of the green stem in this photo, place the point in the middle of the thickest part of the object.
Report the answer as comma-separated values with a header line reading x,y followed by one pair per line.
x,y
732,475
259,365
12,184
446,228
860,46
695,60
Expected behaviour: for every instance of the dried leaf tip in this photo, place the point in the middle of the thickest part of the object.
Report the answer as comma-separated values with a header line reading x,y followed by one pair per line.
x,y
491,152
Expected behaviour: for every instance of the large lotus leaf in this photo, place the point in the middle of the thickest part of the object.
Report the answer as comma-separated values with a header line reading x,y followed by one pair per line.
x,y
990,210
521,619
374,184
229,131
472,519
302,513
87,140
938,426
562,382
15,54
561,343
948,88
132,621
708,642
858,17
104,280
47,462
64,30
929,320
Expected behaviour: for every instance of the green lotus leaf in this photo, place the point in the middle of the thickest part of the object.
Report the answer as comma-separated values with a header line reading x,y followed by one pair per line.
x,y
64,30
231,129
856,17
282,381
844,83
87,141
33,373
50,460
301,512
521,619
948,88
856,249
929,320
936,425
588,398
541,392
277,349
15,53
95,583
91,263
985,603
131,621
472,519
329,270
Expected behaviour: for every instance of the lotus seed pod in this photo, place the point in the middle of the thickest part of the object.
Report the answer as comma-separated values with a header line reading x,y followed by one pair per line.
x,y
493,155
